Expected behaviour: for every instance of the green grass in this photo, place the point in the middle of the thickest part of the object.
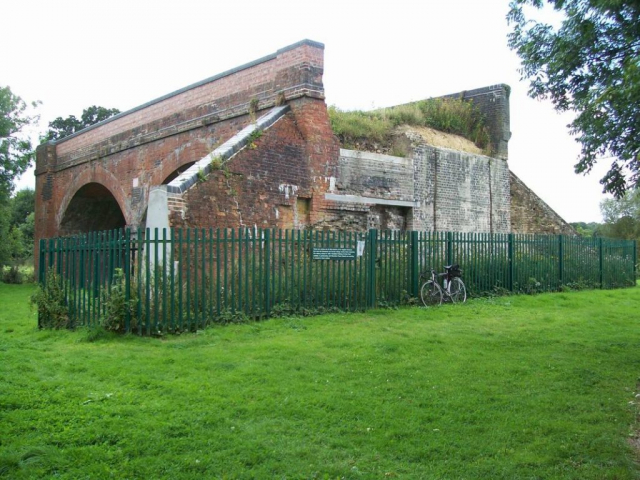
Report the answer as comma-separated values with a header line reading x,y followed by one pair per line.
x,y
512,387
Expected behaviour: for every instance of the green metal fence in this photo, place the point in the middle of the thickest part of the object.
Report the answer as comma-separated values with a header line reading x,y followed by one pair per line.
x,y
184,279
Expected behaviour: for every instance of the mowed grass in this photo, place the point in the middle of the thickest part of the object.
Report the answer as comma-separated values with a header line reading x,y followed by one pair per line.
x,y
513,387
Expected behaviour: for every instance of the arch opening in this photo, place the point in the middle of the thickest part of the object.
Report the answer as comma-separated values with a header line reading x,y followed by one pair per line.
x,y
92,208
173,175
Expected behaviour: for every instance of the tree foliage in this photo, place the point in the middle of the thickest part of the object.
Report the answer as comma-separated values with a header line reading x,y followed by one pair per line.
x,y
591,65
622,216
588,229
63,127
17,227
22,204
16,151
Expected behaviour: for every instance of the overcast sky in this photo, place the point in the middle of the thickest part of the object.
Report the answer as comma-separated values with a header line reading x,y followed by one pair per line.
x,y
73,54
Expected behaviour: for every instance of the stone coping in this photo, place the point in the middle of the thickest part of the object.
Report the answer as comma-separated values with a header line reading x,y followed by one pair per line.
x,y
224,152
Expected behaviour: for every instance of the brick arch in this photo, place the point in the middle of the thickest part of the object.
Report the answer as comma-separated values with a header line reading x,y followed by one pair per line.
x,y
172,162
168,173
95,174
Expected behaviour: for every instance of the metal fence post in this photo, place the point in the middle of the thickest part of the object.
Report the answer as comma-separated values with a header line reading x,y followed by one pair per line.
x,y
371,267
510,261
601,263
561,260
42,267
635,260
127,279
449,248
267,262
96,268
51,252
415,267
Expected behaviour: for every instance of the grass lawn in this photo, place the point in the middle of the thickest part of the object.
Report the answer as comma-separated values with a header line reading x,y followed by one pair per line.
x,y
513,387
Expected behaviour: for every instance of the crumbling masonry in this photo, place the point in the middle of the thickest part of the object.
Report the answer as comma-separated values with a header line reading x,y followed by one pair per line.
x,y
253,147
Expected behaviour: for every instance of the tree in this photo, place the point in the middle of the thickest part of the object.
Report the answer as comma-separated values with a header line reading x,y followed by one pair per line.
x,y
17,226
22,204
590,65
16,152
63,127
622,216
22,220
591,229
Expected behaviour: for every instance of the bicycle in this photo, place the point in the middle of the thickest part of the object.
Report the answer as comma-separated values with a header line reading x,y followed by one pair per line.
x,y
431,293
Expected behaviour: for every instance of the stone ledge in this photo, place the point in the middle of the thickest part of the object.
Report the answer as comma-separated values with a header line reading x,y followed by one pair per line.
x,y
269,101
334,197
224,152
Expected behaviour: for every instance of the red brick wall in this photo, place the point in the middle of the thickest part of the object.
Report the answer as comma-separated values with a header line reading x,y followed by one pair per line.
x,y
273,184
150,142
286,71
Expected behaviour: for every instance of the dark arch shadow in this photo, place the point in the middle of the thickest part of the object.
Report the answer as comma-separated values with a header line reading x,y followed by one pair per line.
x,y
176,172
92,208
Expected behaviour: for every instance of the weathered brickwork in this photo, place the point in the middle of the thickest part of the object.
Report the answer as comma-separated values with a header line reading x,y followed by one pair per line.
x,y
459,191
530,214
137,150
294,175
432,189
493,103
258,187
375,175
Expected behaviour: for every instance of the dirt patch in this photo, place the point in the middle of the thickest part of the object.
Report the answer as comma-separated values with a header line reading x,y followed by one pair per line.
x,y
441,139
398,143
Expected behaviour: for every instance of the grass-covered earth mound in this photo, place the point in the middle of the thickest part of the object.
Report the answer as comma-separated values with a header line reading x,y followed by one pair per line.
x,y
377,130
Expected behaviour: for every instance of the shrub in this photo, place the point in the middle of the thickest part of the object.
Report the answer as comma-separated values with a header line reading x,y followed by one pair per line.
x,y
17,275
51,303
11,275
117,306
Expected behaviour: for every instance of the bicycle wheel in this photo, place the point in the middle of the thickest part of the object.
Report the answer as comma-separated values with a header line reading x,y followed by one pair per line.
x,y
458,291
431,294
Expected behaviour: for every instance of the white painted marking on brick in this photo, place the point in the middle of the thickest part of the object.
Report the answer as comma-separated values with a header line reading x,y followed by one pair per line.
x,y
135,182
288,190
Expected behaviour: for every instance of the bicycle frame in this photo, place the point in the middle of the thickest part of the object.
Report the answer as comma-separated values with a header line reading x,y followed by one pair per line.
x,y
446,283
445,289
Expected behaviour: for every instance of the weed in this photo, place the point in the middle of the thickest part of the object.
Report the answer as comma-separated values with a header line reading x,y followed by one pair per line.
x,y
117,307
229,316
51,304
216,162
255,135
201,175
